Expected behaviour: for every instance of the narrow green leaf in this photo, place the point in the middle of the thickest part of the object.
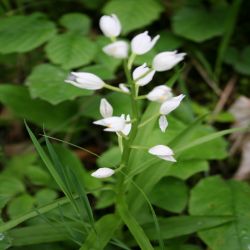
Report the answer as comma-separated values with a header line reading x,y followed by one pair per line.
x,y
105,228
184,225
210,137
133,226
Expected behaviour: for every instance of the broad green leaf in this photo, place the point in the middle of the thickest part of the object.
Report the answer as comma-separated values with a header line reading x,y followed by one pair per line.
x,y
20,205
90,106
110,158
120,102
168,41
170,194
184,225
24,33
17,98
239,60
105,199
186,168
214,196
45,196
71,50
102,70
47,82
42,210
10,186
105,228
38,176
198,24
17,166
76,22
134,14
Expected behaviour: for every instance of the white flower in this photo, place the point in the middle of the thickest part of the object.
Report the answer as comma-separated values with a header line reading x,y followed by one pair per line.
x,y
163,152
113,123
128,125
163,123
85,80
124,88
160,93
171,104
140,71
167,60
143,43
110,26
117,49
106,109
103,173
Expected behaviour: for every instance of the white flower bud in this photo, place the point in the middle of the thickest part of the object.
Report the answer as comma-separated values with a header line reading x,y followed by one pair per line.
x,y
143,43
124,88
167,60
117,49
140,71
128,125
163,152
103,173
106,109
171,104
113,123
163,123
160,94
85,80
110,26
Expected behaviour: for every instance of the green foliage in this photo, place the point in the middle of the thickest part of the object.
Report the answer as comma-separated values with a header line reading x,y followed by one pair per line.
x,y
239,60
76,22
48,198
134,14
214,196
45,80
177,226
10,186
104,228
71,50
198,24
24,33
17,98
170,194
20,205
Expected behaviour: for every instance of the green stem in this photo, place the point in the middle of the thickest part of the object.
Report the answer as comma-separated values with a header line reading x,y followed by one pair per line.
x,y
107,86
126,147
148,120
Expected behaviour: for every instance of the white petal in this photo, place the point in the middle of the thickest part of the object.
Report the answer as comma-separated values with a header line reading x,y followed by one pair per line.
x,y
163,123
167,60
168,158
142,43
128,126
106,109
171,104
124,88
85,80
160,93
110,26
161,150
117,49
113,124
139,72
103,173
